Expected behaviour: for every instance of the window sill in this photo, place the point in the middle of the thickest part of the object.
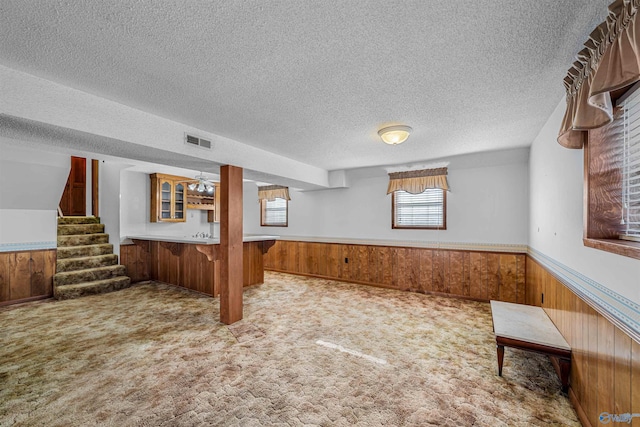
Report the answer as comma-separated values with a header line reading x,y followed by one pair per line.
x,y
620,247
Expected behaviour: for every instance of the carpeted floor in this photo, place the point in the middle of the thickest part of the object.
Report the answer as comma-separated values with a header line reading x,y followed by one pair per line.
x,y
308,352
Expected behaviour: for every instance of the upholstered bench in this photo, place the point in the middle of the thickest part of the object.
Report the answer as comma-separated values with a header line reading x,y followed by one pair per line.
x,y
529,328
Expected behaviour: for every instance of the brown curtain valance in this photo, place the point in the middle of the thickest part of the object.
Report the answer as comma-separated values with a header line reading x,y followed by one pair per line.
x,y
415,182
609,61
272,192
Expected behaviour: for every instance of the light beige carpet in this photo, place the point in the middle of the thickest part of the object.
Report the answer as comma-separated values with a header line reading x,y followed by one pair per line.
x,y
308,352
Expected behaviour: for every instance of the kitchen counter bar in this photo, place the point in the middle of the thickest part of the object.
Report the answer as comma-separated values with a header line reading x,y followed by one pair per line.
x,y
191,262
199,240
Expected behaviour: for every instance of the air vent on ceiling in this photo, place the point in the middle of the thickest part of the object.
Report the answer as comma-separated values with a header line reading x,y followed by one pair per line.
x,y
197,141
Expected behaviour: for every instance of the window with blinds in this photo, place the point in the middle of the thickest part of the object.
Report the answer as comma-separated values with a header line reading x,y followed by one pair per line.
x,y
274,212
424,210
631,168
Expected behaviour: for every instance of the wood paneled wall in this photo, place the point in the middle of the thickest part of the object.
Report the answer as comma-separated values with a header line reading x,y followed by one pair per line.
x,y
478,275
605,366
26,275
183,265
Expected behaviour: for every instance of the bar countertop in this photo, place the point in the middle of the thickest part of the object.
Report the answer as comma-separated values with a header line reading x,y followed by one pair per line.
x,y
199,240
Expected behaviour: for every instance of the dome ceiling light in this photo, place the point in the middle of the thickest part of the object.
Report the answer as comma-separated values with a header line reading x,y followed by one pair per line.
x,y
394,135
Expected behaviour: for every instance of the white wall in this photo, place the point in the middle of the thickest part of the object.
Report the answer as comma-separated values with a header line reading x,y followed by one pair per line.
x,y
487,204
32,183
556,227
109,201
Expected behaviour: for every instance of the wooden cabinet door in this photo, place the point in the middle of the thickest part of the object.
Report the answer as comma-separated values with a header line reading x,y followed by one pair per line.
x,y
179,202
74,197
168,201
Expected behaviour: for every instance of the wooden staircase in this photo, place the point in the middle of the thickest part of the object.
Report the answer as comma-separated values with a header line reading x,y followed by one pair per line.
x,y
86,264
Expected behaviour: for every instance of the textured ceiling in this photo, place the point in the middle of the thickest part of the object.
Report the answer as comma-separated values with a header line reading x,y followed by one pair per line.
x,y
314,80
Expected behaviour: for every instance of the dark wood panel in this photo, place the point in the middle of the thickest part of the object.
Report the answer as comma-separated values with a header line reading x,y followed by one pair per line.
x,y
400,280
253,264
361,254
413,269
292,256
606,366
635,381
49,271
533,283
355,265
426,270
479,275
456,273
186,266
20,275
493,276
386,263
466,276
142,261
521,278
578,353
37,273
189,270
154,257
26,275
333,260
508,278
438,271
5,279
319,253
621,373
304,263
591,408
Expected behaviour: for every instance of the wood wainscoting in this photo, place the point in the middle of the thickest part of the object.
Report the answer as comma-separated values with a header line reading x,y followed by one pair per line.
x,y
26,275
605,365
477,275
183,265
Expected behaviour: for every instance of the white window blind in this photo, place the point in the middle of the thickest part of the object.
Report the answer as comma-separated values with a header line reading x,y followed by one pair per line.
x,y
631,168
424,210
274,212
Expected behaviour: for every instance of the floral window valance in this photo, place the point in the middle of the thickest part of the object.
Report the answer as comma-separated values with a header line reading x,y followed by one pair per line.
x,y
609,61
272,192
415,182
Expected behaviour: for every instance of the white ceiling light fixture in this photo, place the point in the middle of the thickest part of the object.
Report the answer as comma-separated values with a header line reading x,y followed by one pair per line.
x,y
394,135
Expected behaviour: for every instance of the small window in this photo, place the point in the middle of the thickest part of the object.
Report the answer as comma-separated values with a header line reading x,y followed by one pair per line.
x,y
274,213
425,210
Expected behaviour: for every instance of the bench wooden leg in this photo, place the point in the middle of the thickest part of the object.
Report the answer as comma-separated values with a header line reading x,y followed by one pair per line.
x,y
562,365
500,350
565,367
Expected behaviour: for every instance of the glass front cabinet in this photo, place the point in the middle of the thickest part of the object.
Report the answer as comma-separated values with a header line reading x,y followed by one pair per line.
x,y
168,203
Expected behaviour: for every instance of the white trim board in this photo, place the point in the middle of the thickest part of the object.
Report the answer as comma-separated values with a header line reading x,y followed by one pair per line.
x,y
28,246
619,310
